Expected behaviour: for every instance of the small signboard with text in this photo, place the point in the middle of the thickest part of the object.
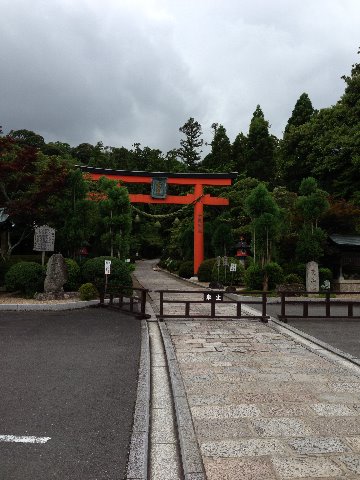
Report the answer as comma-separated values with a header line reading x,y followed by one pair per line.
x,y
213,297
107,267
44,239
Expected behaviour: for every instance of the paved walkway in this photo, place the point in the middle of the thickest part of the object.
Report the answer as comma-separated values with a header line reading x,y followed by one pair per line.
x,y
263,405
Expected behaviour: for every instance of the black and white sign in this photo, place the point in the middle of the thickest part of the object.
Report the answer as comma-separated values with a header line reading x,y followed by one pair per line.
x,y
232,267
107,267
44,239
213,297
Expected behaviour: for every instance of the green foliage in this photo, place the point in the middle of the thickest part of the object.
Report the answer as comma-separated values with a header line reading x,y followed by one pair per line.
x,y
293,278
267,277
73,275
260,149
254,277
88,291
186,269
189,147
325,274
220,157
205,270
222,239
116,217
311,243
274,274
93,271
169,264
26,277
266,222
223,275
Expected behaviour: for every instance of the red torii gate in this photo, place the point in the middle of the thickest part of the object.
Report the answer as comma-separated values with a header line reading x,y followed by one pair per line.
x,y
159,180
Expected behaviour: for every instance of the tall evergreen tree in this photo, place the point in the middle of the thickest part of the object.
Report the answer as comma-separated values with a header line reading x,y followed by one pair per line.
x,y
239,153
302,113
189,147
220,157
294,148
260,150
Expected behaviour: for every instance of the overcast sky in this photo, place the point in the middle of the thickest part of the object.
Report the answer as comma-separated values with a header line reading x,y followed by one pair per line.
x,y
125,71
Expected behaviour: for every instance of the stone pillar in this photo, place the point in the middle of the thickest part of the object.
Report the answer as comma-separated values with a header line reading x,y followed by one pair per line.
x,y
312,277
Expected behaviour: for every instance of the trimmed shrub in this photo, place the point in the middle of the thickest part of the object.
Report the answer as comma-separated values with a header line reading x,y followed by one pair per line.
x,y
292,278
186,269
88,291
254,277
169,264
275,274
13,259
73,280
25,277
205,270
93,271
229,278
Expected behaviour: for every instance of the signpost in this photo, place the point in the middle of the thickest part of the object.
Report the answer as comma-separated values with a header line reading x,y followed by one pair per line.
x,y
107,272
44,240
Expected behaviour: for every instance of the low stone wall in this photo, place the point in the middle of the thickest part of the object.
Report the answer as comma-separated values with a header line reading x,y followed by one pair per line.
x,y
346,285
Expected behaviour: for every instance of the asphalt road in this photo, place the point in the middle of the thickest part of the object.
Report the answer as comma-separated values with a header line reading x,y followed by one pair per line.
x,y
70,376
343,334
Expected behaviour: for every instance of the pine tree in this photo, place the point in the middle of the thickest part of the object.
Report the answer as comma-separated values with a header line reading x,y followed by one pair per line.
x,y
260,149
220,157
302,112
189,147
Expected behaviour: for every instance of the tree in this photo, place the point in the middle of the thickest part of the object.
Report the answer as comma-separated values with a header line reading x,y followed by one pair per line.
x,y
239,153
220,157
260,149
312,204
27,137
115,213
189,147
222,239
302,113
30,183
76,216
265,222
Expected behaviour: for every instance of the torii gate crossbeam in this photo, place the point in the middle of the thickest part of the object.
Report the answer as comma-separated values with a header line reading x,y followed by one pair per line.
x,y
197,180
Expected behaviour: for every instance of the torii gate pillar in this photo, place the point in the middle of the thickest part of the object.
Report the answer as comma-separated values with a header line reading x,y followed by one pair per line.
x,y
198,228
197,180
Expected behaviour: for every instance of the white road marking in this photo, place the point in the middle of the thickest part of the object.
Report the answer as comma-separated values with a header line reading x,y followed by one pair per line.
x,y
15,439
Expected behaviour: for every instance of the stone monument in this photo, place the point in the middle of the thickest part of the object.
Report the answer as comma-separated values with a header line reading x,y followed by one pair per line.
x,y
56,277
312,277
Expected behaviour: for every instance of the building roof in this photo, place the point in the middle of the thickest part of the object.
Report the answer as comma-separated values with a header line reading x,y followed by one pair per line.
x,y
131,173
3,216
346,240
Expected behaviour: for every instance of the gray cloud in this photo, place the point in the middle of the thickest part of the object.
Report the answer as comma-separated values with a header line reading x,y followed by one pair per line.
x,y
135,71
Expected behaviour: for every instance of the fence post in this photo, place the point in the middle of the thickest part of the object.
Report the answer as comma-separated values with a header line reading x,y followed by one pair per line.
x,y
238,309
102,298
350,309
327,304
283,304
161,303
143,302
212,313
264,299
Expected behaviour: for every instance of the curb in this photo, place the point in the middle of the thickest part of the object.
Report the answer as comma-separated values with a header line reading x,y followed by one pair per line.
x,y
189,449
26,307
137,468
